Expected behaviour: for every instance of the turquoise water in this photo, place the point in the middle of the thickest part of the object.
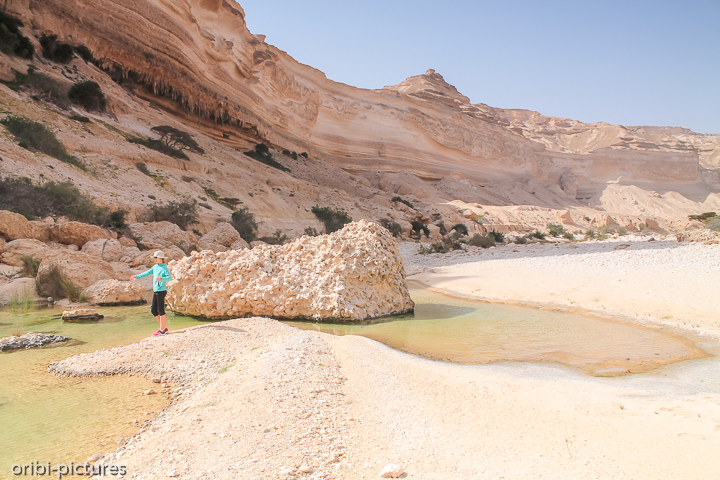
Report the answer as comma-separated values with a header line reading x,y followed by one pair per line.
x,y
467,331
46,418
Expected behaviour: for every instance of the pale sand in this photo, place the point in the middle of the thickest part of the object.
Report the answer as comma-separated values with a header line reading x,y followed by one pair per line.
x,y
347,406
663,282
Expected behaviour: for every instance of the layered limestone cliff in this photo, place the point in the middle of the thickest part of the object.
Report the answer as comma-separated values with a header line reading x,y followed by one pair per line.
x,y
200,54
195,65
350,275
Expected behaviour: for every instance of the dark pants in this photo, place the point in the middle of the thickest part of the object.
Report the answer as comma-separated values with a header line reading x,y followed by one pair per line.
x,y
158,303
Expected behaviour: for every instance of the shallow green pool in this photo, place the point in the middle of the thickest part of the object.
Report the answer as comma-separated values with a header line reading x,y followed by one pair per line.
x,y
46,418
467,331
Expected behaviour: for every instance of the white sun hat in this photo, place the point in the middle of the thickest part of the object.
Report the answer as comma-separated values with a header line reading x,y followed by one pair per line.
x,y
159,254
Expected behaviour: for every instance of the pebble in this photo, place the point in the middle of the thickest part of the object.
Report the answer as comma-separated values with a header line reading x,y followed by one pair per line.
x,y
392,471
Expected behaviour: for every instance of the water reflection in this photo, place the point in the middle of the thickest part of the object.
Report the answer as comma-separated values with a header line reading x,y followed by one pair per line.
x,y
467,331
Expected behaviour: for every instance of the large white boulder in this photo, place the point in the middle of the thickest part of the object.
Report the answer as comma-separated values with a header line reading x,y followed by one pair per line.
x,y
349,275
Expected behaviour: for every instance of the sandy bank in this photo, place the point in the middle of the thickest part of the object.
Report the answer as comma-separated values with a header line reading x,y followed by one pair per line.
x,y
263,400
661,282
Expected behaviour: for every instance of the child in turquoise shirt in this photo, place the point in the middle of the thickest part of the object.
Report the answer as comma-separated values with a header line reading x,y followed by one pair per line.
x,y
161,275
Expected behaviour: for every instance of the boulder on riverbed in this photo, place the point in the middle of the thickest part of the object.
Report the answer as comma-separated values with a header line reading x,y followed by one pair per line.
x,y
115,292
350,275
30,340
81,315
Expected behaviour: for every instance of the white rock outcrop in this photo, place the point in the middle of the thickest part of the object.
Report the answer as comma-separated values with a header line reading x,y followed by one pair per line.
x,y
115,292
352,274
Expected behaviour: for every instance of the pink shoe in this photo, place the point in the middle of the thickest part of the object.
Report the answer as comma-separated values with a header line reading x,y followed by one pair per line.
x,y
160,332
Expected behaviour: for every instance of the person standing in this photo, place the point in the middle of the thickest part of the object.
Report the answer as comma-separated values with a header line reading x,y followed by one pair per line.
x,y
161,275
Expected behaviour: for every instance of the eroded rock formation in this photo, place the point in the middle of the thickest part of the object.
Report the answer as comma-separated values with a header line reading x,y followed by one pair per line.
x,y
350,275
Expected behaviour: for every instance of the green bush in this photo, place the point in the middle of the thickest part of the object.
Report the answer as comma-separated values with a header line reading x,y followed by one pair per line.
x,y
56,51
568,236
606,229
393,227
622,231
498,236
447,244
703,216
177,140
262,154
118,218
183,212
589,233
54,283
243,220
158,146
88,95
311,232
486,240
12,42
713,224
538,234
461,228
45,86
333,218
555,230
277,238
30,266
35,136
399,199
419,228
290,154
84,53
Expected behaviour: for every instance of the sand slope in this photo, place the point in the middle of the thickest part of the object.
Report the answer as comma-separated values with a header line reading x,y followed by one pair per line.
x,y
344,407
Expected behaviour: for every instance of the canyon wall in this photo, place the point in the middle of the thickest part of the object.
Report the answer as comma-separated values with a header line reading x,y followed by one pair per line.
x,y
200,55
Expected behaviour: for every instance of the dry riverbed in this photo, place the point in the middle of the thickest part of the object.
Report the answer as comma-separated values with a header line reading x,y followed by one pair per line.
x,y
257,399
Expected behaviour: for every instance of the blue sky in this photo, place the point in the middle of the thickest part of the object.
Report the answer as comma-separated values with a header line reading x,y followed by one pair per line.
x,y
631,62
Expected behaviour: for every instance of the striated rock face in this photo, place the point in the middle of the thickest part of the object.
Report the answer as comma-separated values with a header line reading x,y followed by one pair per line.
x,y
353,274
114,292
201,54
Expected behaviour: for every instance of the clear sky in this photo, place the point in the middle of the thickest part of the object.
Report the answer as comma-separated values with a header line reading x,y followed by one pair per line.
x,y
629,62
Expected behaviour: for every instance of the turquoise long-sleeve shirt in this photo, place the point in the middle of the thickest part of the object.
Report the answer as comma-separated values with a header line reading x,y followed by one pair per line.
x,y
158,270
